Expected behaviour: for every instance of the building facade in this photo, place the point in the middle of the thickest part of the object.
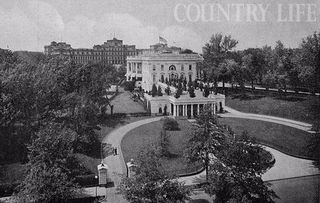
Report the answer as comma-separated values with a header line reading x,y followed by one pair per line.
x,y
112,52
153,67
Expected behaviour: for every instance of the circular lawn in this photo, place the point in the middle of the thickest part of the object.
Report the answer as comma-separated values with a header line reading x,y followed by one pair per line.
x,y
148,135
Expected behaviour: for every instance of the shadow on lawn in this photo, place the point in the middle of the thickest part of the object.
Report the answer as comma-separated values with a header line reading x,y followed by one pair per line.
x,y
290,98
113,120
247,96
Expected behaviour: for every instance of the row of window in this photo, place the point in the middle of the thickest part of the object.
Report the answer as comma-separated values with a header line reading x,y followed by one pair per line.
x,y
104,62
98,58
104,53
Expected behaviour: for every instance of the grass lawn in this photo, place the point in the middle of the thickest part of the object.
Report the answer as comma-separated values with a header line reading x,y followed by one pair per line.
x,y
147,135
296,108
283,138
12,173
296,190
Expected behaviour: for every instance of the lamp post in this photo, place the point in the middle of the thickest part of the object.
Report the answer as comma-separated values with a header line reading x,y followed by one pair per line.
x,y
96,178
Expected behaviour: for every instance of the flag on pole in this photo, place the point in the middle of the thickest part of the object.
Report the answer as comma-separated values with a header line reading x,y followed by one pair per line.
x,y
162,40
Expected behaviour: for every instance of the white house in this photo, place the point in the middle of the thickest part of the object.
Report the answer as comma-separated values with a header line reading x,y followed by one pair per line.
x,y
153,67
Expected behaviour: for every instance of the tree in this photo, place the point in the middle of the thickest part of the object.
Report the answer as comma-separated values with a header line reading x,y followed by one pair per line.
x,y
269,80
167,82
154,90
235,173
48,178
206,91
225,71
207,139
179,91
214,52
167,90
310,48
250,69
191,92
150,183
159,91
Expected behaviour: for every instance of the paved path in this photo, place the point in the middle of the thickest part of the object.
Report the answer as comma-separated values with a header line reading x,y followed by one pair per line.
x,y
116,163
288,122
285,166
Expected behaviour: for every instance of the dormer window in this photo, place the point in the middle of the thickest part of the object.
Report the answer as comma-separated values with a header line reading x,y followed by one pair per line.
x,y
190,67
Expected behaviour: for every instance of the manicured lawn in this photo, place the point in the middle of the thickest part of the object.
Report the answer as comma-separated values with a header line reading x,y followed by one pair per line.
x,y
124,104
296,108
12,173
296,190
283,138
147,135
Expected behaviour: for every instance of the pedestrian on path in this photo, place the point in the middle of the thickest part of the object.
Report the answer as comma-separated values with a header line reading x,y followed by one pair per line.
x,y
115,150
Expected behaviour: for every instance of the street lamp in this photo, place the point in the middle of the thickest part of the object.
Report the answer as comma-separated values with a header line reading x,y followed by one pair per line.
x,y
96,178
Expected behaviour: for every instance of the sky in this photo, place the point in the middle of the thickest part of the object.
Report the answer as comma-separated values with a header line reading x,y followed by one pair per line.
x,y
32,24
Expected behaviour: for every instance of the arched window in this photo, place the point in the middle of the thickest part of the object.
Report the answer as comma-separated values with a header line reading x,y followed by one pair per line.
x,y
172,67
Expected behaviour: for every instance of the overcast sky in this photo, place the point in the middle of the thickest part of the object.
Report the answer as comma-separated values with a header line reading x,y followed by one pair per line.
x,y
31,24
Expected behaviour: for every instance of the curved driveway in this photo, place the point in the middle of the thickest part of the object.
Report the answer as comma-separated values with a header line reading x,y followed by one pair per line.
x,y
116,163
285,166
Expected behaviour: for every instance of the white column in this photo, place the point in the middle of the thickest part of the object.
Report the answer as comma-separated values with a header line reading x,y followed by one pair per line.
x,y
214,108
191,110
183,110
174,110
177,110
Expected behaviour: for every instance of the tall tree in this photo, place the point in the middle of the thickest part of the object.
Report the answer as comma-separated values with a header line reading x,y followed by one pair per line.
x,y
214,52
150,183
48,178
310,48
235,173
206,140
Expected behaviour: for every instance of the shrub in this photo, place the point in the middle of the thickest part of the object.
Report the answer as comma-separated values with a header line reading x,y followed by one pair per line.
x,y
191,92
170,124
167,90
129,85
159,91
154,90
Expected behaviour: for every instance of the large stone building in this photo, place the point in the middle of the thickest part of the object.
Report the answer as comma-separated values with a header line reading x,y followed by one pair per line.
x,y
156,65
112,52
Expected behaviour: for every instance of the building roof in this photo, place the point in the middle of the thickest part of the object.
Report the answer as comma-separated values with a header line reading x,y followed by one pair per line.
x,y
152,56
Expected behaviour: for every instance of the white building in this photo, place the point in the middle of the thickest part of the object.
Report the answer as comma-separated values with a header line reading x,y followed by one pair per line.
x,y
152,67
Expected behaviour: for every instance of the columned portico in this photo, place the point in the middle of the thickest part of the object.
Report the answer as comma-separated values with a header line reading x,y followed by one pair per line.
x,y
191,110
